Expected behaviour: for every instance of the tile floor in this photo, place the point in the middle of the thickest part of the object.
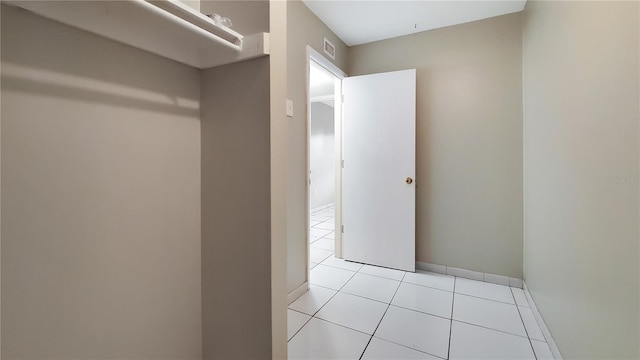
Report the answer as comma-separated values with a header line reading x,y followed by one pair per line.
x,y
356,311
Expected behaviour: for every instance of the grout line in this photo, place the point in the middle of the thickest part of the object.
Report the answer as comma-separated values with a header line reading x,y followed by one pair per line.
x,y
488,328
299,312
427,286
481,298
381,267
364,297
342,326
335,267
453,301
383,315
324,287
334,295
524,326
418,311
321,237
409,347
368,342
303,325
322,208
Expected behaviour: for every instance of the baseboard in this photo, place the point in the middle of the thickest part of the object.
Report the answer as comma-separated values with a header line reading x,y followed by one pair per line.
x,y
500,280
469,274
545,330
295,294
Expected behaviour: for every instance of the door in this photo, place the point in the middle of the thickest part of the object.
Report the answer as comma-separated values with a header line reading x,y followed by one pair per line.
x,y
379,169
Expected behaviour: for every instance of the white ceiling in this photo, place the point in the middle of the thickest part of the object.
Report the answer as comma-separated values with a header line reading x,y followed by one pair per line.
x,y
362,21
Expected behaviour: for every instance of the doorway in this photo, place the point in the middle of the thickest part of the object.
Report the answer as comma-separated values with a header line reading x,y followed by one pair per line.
x,y
324,151
375,193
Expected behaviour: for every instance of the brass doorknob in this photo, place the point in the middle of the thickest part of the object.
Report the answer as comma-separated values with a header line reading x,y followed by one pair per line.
x,y
409,180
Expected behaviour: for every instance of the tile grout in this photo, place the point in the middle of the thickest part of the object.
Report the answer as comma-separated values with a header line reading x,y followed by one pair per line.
x,y
301,327
399,284
453,301
488,328
426,286
525,327
383,315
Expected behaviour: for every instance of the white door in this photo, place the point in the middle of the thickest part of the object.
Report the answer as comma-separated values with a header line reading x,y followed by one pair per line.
x,y
379,169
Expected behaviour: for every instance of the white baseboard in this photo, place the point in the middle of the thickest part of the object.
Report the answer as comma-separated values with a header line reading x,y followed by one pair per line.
x,y
545,330
295,294
500,280
468,274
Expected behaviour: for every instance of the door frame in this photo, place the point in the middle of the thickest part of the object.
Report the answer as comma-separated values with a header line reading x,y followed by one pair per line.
x,y
319,59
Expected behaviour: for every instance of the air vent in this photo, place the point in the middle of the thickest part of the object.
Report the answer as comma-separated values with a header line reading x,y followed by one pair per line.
x,y
329,49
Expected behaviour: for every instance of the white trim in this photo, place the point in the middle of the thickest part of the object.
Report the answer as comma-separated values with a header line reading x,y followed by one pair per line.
x,y
324,62
469,274
315,56
295,294
337,135
545,330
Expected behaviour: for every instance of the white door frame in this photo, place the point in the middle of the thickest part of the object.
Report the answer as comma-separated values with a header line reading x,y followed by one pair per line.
x,y
315,56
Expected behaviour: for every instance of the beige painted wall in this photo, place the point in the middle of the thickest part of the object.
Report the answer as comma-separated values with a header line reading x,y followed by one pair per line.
x,y
248,16
195,4
303,28
469,139
236,266
101,197
278,178
236,201
581,119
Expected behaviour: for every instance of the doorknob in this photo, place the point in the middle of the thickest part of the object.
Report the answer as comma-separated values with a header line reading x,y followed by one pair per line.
x,y
409,180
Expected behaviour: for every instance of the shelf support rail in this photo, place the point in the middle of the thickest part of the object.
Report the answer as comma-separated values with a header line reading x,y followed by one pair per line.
x,y
186,24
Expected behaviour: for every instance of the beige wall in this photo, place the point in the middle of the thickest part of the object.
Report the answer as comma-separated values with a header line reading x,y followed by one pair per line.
x,y
303,28
278,177
581,174
195,4
469,139
248,16
236,221
101,197
236,266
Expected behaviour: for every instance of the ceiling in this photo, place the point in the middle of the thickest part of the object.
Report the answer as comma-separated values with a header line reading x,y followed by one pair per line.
x,y
362,21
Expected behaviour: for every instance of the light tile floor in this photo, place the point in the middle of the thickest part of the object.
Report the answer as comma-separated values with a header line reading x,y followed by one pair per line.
x,y
356,311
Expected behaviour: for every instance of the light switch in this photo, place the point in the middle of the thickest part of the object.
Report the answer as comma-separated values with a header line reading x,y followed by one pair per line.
x,y
289,108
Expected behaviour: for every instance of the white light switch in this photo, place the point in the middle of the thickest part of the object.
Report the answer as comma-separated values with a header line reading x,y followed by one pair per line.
x,y
289,108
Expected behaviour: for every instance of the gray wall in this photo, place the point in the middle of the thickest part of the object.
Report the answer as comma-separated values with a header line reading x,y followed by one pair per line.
x,y
303,28
100,197
322,156
581,174
236,266
469,139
